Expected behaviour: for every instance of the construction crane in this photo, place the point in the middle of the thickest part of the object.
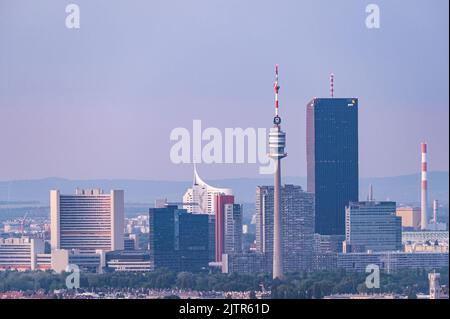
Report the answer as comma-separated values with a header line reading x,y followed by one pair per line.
x,y
22,223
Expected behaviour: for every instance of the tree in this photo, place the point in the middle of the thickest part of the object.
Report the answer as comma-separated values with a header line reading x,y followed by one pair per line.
x,y
185,280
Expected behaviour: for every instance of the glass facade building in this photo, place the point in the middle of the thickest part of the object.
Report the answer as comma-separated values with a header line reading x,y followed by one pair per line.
x,y
372,226
332,160
178,240
232,228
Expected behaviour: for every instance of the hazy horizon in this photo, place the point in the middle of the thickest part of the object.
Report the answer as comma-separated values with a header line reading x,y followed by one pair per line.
x,y
205,178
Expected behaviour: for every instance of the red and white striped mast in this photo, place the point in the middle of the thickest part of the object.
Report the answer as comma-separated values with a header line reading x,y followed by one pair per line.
x,y
277,89
424,188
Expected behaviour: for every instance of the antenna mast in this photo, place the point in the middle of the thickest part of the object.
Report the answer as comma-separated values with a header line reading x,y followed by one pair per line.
x,y
276,86
332,85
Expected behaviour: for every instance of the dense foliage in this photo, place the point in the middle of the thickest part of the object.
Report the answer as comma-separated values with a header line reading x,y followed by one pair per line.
x,y
296,285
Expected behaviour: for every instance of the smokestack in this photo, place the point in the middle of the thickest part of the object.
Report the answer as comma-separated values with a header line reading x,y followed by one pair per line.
x,y
424,189
435,210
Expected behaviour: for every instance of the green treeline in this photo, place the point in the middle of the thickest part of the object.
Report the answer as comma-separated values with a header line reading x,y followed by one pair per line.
x,y
296,285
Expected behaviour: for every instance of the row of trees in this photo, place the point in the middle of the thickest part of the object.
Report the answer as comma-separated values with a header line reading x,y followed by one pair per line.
x,y
319,284
296,285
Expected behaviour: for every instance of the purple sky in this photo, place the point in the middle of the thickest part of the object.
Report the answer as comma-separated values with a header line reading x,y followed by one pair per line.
x,y
100,102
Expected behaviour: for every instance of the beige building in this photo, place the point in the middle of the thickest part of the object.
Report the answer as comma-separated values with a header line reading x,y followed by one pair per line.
x,y
89,220
429,248
410,217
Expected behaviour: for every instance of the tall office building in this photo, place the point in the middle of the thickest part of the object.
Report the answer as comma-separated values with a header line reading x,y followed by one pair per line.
x,y
211,237
372,226
89,220
199,199
228,226
332,160
233,228
178,240
192,241
297,213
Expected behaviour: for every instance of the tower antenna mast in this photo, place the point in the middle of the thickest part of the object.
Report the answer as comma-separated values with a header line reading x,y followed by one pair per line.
x,y
277,89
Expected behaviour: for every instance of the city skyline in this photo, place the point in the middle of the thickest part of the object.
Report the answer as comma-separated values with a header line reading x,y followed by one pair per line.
x,y
103,86
103,122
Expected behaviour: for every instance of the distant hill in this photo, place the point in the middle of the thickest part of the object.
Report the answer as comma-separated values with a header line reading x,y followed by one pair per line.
x,y
406,188
403,189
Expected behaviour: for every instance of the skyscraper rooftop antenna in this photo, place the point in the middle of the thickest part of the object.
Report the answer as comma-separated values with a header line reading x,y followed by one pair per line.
x,y
370,197
332,85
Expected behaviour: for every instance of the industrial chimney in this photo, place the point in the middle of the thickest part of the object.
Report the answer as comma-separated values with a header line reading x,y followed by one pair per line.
x,y
424,186
435,211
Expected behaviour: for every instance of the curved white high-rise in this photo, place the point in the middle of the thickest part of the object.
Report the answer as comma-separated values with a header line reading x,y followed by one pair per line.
x,y
200,198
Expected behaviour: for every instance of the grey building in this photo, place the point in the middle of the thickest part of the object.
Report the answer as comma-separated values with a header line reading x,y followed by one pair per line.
x,y
133,261
211,237
245,263
326,248
391,262
232,228
372,226
297,210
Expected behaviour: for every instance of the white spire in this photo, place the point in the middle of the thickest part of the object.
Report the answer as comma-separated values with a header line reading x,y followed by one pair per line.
x,y
200,182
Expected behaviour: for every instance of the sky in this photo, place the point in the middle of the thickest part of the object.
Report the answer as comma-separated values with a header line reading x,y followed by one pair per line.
x,y
101,101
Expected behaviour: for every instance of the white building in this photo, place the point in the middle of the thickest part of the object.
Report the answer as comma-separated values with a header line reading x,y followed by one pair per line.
x,y
200,198
87,261
87,221
20,253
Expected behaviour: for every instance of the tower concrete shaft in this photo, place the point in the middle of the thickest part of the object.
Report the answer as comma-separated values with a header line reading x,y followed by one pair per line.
x,y
277,231
277,141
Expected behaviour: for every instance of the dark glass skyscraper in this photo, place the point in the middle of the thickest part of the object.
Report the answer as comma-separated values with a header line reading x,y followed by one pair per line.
x,y
332,160
178,240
